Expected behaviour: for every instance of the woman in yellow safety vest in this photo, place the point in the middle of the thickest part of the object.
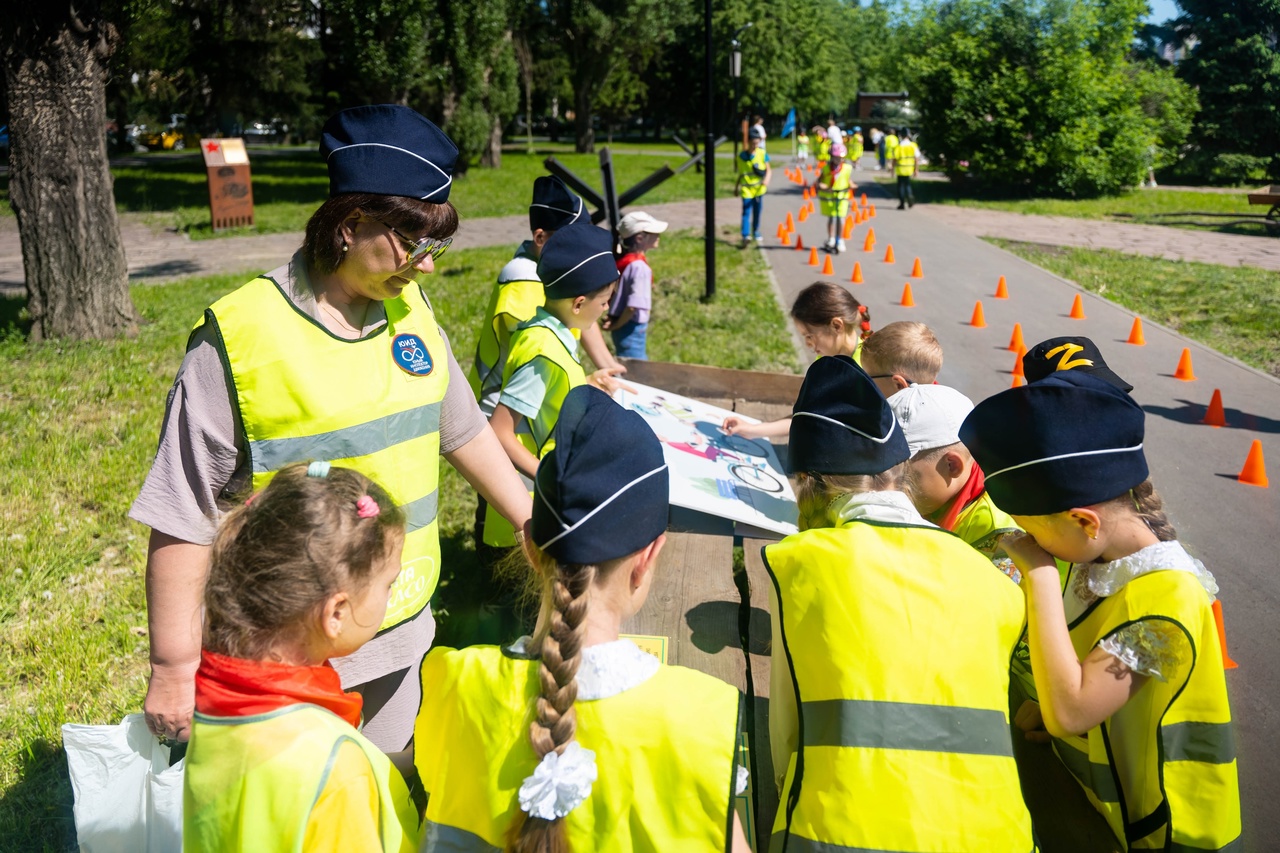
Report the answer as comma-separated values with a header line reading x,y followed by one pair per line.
x,y
303,572
336,354
889,734
576,739
1126,659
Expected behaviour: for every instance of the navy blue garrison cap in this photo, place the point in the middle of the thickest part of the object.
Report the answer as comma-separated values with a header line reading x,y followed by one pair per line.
x,y
576,260
1069,353
1068,440
603,491
387,150
842,424
553,205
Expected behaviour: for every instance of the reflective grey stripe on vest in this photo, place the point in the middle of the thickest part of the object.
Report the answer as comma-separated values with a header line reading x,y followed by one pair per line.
x,y
272,454
1234,846
1096,777
902,725
1212,743
440,838
799,844
420,513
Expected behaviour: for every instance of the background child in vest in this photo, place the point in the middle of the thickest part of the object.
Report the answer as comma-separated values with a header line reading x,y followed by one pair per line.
x,y
857,146
1126,660
802,148
579,272
833,186
865,601
298,575
754,173
901,354
906,165
624,753
831,322
628,320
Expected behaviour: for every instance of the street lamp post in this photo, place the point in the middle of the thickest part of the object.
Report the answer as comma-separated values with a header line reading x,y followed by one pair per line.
x,y
709,176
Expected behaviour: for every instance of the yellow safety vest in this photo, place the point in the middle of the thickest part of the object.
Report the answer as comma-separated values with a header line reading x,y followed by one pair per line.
x,y
890,146
835,200
904,158
856,147
371,404
517,294
665,756
251,783
535,339
1166,761
751,170
802,145
982,523
904,733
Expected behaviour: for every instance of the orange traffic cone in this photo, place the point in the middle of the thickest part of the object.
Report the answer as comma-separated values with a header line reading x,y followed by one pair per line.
x,y
1016,343
827,269
888,254
1002,289
979,320
856,278
804,213
908,301
860,218
1254,471
811,204
785,237
1135,334
1184,371
1017,363
806,192
782,229
791,223
1215,415
1077,308
799,242
864,199
813,256
872,213
848,228
869,243
1227,662
1018,381
916,270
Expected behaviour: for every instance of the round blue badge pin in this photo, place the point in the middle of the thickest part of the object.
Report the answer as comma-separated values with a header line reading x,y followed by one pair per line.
x,y
410,355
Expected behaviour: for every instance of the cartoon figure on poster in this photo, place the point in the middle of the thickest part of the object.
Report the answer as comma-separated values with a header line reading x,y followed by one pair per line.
x,y
724,475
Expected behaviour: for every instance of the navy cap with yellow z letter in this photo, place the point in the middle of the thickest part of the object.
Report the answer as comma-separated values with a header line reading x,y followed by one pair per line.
x,y
841,423
1069,353
387,149
592,503
1067,440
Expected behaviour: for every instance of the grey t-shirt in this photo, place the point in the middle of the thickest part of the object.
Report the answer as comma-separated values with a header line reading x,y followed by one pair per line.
x,y
201,458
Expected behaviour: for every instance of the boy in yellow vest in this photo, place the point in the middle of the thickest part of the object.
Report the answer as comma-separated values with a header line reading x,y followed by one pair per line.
x,y
579,273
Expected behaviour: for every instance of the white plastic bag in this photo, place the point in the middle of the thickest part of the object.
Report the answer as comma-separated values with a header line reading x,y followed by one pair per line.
x,y
128,798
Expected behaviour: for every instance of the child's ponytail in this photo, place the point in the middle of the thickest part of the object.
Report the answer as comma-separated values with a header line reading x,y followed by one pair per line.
x,y
1150,507
555,723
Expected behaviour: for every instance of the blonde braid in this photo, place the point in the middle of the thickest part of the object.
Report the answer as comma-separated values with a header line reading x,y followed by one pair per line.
x,y
1150,507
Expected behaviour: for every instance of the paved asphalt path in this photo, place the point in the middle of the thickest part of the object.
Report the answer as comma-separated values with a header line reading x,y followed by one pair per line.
x,y
1231,526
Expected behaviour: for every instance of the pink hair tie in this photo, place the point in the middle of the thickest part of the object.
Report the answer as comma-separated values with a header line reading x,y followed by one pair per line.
x,y
367,507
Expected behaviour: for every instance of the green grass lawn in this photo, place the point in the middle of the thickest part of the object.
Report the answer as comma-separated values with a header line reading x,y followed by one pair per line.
x,y
1142,206
78,424
288,185
1235,310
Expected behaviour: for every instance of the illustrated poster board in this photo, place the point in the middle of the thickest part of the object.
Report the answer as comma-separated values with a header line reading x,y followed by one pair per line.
x,y
725,476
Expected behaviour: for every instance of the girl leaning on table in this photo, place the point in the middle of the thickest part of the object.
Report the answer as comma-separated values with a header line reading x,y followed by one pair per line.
x,y
575,739
1126,659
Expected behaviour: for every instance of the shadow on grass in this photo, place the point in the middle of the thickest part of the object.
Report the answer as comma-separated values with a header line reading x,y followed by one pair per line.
x,y
14,321
36,813
476,602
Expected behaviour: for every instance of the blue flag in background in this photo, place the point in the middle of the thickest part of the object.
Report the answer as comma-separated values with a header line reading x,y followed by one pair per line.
x,y
789,126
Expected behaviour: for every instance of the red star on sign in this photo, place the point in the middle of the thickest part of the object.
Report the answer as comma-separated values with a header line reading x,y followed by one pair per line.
x,y
211,147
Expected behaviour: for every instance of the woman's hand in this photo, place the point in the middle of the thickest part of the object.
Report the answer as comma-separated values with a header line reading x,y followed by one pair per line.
x,y
1030,720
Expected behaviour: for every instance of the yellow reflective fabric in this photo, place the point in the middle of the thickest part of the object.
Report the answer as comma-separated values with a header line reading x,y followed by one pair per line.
x,y
856,147
982,523
513,301
1167,758
304,393
535,340
890,146
904,161
665,756
751,170
904,732
824,149
252,783
835,200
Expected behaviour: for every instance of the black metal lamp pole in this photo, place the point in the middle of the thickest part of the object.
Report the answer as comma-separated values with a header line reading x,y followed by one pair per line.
x,y
710,174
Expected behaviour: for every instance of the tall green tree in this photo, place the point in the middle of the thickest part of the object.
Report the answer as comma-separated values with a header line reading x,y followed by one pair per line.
x,y
1235,65
1036,96
479,92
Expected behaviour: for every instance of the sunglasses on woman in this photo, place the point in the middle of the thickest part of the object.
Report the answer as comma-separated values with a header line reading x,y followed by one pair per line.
x,y
416,250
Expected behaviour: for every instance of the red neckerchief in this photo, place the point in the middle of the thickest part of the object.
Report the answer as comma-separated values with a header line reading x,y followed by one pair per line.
x,y
628,259
234,687
971,491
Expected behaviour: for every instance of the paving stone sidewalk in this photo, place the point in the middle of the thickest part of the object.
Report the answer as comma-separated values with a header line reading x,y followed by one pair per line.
x,y
1156,241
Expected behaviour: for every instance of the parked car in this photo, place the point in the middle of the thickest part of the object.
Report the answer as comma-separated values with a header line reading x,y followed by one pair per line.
x,y
265,132
174,136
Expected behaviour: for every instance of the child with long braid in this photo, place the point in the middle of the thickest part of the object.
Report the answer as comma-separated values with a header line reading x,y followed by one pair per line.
x,y
576,739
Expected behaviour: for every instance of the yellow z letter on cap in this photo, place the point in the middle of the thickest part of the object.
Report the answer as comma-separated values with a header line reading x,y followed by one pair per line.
x,y
1067,362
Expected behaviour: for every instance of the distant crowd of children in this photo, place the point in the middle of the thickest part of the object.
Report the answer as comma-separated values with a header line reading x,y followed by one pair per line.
x,y
892,632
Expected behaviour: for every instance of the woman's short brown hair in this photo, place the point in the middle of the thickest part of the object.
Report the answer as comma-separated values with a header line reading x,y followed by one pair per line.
x,y
322,246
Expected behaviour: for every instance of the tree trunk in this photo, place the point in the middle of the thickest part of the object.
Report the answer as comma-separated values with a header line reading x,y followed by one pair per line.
x,y
59,185
584,136
492,156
